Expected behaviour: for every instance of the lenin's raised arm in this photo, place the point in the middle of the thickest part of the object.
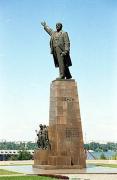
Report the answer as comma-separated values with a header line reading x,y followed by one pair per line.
x,y
47,28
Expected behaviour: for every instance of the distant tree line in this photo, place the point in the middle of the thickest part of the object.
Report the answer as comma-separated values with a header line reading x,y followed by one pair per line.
x,y
4,145
23,154
99,147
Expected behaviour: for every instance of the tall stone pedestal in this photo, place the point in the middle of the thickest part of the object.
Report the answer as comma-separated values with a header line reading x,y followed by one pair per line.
x,y
65,130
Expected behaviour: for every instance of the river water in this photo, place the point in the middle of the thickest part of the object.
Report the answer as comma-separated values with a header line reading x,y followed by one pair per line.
x,y
96,155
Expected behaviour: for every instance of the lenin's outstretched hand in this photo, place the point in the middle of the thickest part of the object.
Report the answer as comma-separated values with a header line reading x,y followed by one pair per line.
x,y
43,23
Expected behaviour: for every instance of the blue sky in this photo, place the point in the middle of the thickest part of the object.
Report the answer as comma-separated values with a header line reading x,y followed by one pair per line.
x,y
27,69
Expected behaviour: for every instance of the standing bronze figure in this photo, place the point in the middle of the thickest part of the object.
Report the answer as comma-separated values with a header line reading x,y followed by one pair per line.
x,y
42,134
60,48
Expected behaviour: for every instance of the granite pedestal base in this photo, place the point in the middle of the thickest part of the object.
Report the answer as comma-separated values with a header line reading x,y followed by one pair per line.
x,y
65,130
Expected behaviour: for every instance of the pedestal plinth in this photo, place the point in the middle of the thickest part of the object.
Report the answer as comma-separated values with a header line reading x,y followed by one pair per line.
x,y
65,130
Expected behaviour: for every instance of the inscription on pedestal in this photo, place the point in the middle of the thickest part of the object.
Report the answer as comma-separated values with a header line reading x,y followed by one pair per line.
x,y
71,132
68,99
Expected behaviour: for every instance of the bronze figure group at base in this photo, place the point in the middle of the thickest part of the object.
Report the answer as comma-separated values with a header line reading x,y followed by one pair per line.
x,y
43,140
60,48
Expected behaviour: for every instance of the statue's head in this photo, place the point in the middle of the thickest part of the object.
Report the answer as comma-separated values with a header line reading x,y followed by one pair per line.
x,y
59,26
40,125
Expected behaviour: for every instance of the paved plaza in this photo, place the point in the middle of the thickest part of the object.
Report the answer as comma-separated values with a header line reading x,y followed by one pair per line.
x,y
90,173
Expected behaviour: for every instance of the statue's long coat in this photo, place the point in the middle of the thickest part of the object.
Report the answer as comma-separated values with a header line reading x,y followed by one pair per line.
x,y
63,44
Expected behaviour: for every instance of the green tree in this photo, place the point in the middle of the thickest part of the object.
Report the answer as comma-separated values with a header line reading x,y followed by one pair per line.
x,y
102,156
13,157
31,145
114,157
93,145
24,155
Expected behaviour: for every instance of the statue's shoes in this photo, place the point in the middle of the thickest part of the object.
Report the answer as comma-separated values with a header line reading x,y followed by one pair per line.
x,y
70,77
